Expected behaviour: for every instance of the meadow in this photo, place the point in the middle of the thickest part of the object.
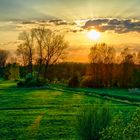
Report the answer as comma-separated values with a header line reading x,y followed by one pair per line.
x,y
49,113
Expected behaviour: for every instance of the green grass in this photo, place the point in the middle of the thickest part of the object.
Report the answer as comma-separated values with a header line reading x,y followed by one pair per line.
x,y
47,113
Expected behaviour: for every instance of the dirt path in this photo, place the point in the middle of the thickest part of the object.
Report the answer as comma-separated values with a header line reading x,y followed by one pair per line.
x,y
34,127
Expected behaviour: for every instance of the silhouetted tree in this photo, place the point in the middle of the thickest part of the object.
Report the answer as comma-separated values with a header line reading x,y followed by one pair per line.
x,y
51,47
26,49
22,54
3,57
102,58
128,60
138,58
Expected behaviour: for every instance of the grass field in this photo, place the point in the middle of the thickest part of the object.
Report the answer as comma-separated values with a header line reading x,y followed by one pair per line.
x,y
50,113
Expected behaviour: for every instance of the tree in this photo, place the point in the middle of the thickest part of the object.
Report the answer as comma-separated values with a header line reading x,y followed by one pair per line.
x,y
21,52
102,57
102,53
12,72
138,58
51,48
3,57
39,35
128,60
26,49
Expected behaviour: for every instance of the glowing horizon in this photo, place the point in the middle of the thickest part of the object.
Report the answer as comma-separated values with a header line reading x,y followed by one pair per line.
x,y
115,22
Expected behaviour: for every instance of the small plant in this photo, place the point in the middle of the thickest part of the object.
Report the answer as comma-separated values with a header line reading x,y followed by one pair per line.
x,y
91,121
123,128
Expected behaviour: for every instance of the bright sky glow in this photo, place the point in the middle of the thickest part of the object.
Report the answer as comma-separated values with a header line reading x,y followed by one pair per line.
x,y
84,22
93,35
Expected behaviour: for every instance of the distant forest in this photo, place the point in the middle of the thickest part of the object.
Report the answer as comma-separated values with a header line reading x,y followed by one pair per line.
x,y
40,58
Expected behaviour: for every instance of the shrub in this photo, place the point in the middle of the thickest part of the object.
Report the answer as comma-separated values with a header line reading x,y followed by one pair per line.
x,y
30,82
115,131
74,81
91,121
28,77
87,81
122,128
20,83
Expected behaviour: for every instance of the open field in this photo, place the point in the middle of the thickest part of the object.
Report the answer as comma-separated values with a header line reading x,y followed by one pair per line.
x,y
50,113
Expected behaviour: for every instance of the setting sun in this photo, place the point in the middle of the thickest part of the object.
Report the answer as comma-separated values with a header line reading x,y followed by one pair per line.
x,y
93,34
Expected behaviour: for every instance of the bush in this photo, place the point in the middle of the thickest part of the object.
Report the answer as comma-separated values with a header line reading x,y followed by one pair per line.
x,y
74,81
30,82
28,77
87,81
123,129
91,121
20,83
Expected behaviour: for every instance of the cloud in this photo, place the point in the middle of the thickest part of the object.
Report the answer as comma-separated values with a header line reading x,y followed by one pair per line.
x,y
103,24
116,25
58,22
57,25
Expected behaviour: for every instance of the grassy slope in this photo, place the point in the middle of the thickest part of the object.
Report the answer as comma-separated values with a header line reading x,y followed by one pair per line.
x,y
121,95
43,113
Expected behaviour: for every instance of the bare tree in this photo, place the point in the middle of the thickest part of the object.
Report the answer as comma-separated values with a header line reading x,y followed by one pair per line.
x,y
51,47
21,52
102,57
39,35
26,49
128,60
3,57
102,53
138,58
127,56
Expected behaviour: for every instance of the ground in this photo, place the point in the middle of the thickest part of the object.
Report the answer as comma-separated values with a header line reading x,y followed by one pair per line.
x,y
49,113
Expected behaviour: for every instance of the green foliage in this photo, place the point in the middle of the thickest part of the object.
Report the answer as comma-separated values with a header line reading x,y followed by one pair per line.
x,y
1,72
30,81
28,77
120,129
91,121
115,131
12,72
132,130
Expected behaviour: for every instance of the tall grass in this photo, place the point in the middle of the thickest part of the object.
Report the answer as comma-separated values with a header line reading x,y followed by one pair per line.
x,y
91,120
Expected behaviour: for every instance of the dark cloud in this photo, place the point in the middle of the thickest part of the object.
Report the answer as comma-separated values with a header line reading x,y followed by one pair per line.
x,y
95,22
28,22
59,22
76,30
116,25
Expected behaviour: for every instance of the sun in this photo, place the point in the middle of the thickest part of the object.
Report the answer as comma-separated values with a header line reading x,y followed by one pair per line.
x,y
93,35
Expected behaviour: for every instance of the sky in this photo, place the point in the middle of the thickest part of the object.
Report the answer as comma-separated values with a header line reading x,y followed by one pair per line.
x,y
118,22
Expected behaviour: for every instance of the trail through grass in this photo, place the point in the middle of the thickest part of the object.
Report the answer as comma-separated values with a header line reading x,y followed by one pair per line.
x,y
45,113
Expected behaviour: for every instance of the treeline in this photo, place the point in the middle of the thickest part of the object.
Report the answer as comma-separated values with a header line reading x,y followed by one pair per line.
x,y
110,69
40,55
